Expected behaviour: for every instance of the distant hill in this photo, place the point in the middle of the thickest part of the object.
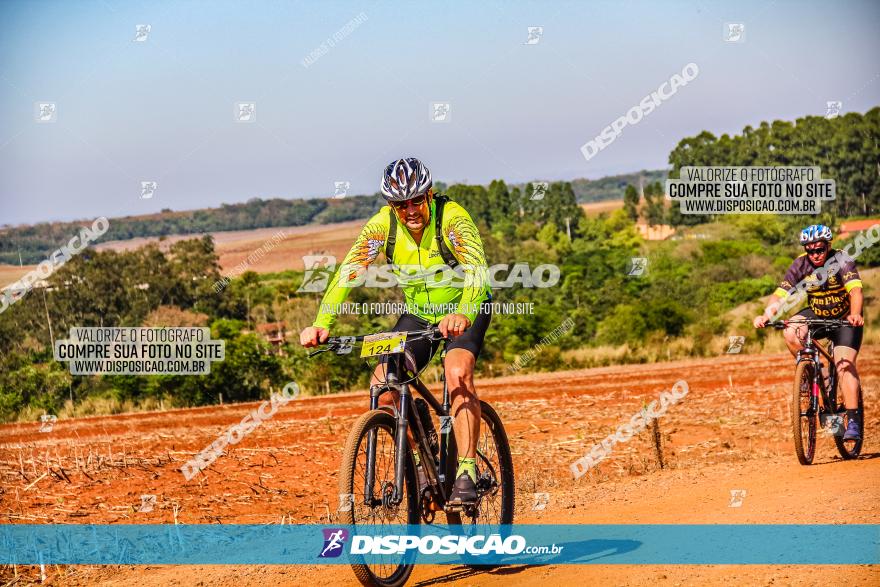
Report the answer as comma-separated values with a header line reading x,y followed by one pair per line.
x,y
36,242
613,186
610,187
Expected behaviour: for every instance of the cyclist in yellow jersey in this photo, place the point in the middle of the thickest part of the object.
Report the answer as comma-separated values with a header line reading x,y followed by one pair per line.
x,y
421,234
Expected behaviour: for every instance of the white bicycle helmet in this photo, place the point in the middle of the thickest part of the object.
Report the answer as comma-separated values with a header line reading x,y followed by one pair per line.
x,y
405,179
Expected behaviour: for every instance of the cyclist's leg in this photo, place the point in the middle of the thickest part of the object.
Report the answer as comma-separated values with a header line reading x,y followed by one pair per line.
x,y
461,357
460,364
847,342
845,358
796,334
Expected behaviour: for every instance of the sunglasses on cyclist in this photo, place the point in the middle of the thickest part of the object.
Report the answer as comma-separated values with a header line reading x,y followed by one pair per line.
x,y
417,201
816,251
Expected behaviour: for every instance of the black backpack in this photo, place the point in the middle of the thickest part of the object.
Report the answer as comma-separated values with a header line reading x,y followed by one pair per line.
x,y
445,253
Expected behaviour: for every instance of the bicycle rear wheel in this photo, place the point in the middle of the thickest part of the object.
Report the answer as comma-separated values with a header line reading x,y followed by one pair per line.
x,y
370,505
494,470
850,449
495,479
803,417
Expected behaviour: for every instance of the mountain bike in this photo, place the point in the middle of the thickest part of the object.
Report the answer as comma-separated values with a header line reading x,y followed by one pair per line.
x,y
378,476
814,397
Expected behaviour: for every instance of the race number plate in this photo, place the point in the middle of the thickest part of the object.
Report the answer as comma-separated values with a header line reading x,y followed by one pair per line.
x,y
384,343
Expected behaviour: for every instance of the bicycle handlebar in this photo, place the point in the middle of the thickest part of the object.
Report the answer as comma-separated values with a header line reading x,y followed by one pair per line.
x,y
824,322
335,342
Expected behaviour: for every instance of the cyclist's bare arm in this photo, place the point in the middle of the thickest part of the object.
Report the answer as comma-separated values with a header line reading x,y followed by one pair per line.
x,y
769,311
856,300
793,275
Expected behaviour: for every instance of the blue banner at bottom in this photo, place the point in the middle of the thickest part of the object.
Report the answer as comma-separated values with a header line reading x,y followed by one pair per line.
x,y
186,544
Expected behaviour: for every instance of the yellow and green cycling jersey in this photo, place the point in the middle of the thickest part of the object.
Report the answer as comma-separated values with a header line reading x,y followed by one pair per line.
x,y
430,292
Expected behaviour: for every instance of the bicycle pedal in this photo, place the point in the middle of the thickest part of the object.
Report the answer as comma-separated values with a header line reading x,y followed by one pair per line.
x,y
458,508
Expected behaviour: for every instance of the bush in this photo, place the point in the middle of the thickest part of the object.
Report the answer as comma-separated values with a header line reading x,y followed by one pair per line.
x,y
624,324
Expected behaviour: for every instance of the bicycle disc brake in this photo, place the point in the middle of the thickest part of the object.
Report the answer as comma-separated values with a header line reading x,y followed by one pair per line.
x,y
388,501
486,484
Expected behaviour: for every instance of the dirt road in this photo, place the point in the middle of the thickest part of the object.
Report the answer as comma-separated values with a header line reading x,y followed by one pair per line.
x,y
729,433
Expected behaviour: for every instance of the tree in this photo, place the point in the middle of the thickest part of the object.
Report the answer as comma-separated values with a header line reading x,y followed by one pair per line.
x,y
631,202
846,149
500,205
654,203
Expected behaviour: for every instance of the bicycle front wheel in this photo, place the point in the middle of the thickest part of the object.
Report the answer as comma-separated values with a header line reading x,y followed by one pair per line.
x,y
803,417
366,483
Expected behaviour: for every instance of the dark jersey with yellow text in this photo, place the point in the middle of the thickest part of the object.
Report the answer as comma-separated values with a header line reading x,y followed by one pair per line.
x,y
831,298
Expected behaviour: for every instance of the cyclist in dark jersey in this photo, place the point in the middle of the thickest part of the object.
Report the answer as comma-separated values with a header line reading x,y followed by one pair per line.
x,y
834,290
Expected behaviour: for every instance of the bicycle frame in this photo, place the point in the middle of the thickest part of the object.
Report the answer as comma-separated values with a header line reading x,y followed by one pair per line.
x,y
434,471
811,352
405,414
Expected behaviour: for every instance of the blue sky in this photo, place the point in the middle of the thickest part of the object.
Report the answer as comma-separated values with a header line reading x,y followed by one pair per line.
x,y
163,109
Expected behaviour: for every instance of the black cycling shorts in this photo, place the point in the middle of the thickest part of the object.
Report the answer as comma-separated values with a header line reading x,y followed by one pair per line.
x,y
848,336
420,352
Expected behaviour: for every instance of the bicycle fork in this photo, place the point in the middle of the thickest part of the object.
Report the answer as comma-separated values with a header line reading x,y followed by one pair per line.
x,y
816,389
371,451
445,423
402,445
400,441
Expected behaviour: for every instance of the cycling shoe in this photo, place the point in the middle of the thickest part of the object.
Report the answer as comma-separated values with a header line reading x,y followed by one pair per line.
x,y
464,491
852,431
